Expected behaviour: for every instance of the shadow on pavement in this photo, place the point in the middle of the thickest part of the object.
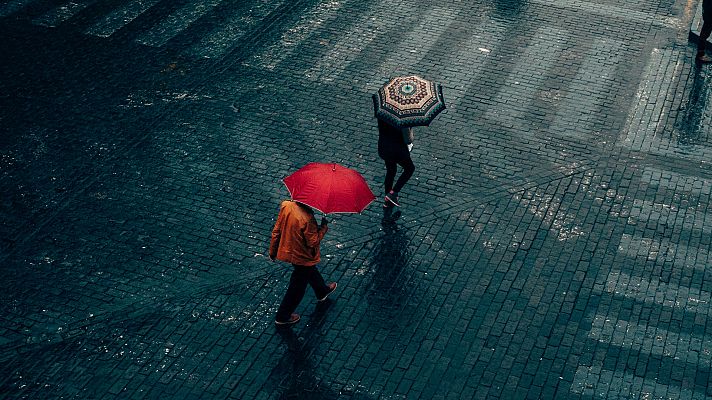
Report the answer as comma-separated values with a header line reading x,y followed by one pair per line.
x,y
388,287
508,9
691,128
297,371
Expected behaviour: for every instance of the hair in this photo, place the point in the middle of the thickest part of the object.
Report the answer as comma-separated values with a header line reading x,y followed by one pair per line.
x,y
383,125
305,207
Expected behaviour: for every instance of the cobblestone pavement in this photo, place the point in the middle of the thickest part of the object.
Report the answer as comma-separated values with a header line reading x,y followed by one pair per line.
x,y
552,244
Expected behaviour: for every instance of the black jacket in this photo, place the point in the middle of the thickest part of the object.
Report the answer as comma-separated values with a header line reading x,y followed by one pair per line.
x,y
391,146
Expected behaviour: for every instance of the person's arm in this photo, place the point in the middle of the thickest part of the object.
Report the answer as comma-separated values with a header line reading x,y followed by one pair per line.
x,y
407,135
276,236
314,234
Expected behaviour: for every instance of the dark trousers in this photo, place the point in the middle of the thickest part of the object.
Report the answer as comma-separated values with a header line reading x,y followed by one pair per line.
x,y
301,276
706,25
392,168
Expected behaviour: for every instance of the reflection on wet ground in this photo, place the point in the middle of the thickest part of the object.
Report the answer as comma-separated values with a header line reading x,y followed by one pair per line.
x,y
390,257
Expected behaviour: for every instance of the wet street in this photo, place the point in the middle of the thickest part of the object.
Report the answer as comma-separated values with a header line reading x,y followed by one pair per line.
x,y
553,242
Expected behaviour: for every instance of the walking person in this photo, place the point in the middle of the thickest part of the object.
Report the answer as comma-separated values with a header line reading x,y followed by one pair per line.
x,y
296,239
394,145
704,32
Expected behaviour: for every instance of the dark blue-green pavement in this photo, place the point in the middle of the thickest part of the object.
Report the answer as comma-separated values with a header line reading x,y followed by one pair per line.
x,y
552,244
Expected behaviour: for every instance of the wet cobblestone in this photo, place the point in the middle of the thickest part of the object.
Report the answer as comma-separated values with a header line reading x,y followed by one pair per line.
x,y
552,244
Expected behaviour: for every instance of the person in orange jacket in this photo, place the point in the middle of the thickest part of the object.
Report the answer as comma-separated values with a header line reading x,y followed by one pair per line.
x,y
296,239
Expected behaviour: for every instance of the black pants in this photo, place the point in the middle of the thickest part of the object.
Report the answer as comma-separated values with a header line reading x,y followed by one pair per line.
x,y
392,168
706,25
301,276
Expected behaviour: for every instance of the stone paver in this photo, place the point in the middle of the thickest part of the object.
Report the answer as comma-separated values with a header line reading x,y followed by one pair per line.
x,y
552,244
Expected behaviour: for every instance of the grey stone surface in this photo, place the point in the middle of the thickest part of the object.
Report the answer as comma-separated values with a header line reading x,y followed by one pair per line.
x,y
552,244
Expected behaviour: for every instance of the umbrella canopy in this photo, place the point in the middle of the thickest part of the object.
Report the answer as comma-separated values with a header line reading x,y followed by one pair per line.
x,y
407,101
329,188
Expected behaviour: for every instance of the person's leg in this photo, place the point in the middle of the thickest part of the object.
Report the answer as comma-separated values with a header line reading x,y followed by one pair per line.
x,y
706,27
316,281
391,170
295,293
408,169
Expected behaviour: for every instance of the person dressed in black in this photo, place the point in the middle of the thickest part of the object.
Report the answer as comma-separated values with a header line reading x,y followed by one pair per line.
x,y
393,148
704,32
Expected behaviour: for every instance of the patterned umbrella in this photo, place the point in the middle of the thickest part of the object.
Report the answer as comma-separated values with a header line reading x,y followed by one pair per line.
x,y
409,101
329,188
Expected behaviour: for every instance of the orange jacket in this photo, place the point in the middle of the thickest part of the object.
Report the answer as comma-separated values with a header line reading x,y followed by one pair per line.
x,y
296,235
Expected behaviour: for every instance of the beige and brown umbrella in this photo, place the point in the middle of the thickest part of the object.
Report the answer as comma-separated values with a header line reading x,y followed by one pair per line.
x,y
407,101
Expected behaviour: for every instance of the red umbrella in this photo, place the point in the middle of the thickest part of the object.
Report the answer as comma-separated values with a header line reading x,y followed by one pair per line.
x,y
329,188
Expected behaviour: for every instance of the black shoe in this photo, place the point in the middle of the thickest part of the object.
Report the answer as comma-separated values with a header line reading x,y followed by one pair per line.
x,y
393,198
703,58
332,286
293,319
